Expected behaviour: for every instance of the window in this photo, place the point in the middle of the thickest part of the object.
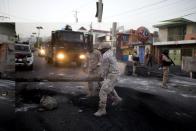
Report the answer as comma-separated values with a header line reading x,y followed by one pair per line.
x,y
187,52
194,29
125,38
22,48
176,33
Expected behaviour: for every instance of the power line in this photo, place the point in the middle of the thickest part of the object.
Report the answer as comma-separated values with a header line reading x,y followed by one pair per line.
x,y
136,9
189,14
13,16
183,11
165,6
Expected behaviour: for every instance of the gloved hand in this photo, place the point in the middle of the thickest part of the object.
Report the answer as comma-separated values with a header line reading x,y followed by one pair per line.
x,y
99,64
101,79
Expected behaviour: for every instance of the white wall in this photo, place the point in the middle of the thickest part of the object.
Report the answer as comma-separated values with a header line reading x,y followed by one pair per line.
x,y
7,29
191,28
3,39
7,32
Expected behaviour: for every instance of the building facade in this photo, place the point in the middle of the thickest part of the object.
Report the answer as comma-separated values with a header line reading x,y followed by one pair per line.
x,y
179,36
122,46
7,40
98,35
130,41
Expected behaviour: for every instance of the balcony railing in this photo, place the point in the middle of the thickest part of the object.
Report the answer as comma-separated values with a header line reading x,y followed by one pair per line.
x,y
175,37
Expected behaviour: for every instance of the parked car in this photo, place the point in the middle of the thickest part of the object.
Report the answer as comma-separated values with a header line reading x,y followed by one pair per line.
x,y
24,56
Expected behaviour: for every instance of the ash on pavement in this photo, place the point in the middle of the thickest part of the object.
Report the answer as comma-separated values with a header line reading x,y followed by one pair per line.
x,y
75,113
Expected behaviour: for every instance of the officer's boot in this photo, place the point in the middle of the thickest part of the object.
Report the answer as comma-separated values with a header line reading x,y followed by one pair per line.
x,y
116,101
101,111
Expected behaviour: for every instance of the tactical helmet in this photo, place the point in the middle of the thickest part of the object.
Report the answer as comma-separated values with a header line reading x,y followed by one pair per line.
x,y
96,46
105,45
166,51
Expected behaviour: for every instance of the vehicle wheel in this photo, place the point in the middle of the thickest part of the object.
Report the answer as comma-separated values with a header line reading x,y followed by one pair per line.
x,y
55,63
31,67
49,60
79,64
127,70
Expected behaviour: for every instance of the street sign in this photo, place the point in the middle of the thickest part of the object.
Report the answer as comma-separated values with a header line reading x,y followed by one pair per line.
x,y
99,12
143,34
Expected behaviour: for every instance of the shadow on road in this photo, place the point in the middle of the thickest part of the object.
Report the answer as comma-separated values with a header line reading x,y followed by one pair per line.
x,y
138,111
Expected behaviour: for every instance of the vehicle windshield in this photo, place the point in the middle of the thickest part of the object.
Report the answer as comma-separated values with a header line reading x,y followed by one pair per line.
x,y
22,48
70,37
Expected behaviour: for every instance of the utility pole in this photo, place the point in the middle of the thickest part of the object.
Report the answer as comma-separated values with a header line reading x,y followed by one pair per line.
x,y
76,15
114,26
91,28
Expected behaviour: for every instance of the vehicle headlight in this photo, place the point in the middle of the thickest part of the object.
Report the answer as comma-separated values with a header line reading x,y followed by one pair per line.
x,y
42,51
82,57
60,56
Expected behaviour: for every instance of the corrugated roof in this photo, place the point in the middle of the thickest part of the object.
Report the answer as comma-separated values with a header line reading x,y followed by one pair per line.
x,y
179,19
82,28
100,31
175,21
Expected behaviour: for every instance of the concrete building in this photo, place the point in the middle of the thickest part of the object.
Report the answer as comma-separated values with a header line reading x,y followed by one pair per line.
x,y
84,30
99,35
123,47
179,36
129,41
7,39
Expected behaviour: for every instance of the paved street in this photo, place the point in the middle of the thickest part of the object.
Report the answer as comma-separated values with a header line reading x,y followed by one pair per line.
x,y
43,70
52,54
145,105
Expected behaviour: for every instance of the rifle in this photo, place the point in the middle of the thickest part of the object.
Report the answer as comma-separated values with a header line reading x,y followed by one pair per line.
x,y
171,60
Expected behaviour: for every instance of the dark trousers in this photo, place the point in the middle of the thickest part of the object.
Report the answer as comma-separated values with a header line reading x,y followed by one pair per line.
x,y
149,63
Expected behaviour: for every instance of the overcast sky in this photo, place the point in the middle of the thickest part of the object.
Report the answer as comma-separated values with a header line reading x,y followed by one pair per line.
x,y
55,14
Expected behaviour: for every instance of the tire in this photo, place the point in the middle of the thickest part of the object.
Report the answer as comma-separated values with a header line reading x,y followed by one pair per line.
x,y
79,64
56,64
128,70
31,67
49,60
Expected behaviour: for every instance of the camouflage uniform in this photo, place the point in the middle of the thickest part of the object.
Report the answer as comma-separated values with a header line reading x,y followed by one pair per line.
x,y
165,71
94,62
110,75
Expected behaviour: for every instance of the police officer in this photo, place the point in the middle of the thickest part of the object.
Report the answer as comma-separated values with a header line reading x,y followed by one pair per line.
x,y
135,61
166,62
94,63
110,75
